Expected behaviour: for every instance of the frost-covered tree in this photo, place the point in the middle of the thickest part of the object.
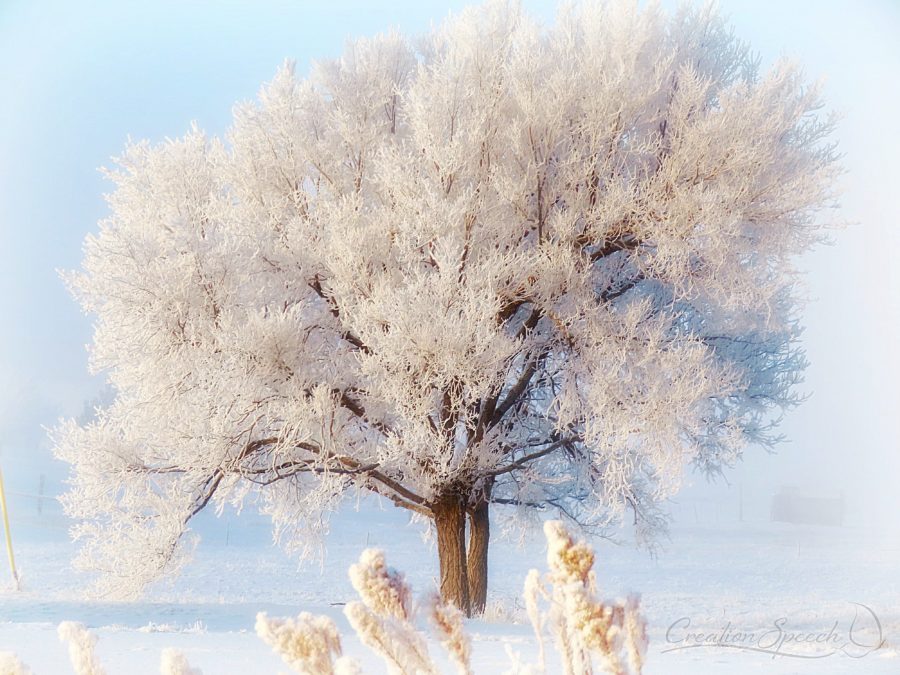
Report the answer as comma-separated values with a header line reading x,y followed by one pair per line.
x,y
545,267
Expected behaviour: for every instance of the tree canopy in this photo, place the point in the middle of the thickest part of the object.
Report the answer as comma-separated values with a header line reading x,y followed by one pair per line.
x,y
544,267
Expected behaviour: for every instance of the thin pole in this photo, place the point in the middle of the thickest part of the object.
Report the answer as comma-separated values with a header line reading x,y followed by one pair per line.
x,y
9,548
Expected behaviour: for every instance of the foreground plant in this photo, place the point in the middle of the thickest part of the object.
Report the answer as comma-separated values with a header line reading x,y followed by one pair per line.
x,y
82,655
82,644
383,620
588,632
309,644
11,665
448,625
175,663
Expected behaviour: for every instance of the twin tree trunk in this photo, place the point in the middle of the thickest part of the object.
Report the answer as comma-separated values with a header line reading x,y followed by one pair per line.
x,y
477,557
463,571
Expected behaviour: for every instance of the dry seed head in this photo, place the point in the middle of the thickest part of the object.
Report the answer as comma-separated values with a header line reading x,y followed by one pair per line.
x,y
569,560
448,621
306,643
635,629
382,589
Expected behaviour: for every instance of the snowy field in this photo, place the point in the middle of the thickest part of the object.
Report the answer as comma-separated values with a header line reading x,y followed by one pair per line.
x,y
721,576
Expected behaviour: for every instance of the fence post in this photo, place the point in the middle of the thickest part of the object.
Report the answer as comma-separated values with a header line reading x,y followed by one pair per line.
x,y
9,548
41,495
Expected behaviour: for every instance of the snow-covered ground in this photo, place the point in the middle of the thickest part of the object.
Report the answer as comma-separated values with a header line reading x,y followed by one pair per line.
x,y
722,577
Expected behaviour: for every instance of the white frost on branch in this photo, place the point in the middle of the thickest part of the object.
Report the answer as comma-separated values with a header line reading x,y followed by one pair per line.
x,y
546,267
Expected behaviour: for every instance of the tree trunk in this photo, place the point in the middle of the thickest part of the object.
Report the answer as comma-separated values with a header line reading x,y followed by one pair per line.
x,y
450,522
477,556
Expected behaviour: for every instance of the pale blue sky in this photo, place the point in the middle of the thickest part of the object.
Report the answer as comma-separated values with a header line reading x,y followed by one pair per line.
x,y
78,78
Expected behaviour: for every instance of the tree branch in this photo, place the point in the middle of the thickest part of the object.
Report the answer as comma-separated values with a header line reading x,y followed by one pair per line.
x,y
522,461
316,285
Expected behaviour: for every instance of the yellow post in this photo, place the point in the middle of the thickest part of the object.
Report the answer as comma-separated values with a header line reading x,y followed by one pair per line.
x,y
9,548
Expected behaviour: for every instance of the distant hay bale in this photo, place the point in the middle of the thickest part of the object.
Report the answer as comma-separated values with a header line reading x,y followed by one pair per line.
x,y
791,505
